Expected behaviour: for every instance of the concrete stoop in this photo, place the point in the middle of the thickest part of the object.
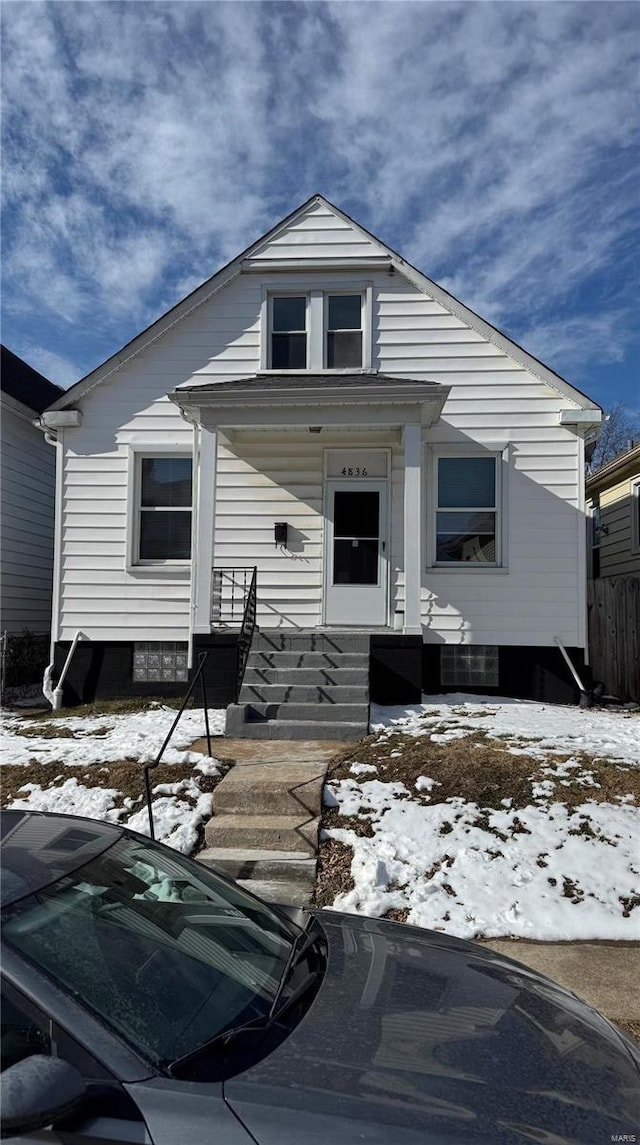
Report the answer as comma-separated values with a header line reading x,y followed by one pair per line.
x,y
303,686
264,831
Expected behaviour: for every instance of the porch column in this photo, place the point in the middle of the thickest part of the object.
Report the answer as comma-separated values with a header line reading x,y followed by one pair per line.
x,y
413,526
203,531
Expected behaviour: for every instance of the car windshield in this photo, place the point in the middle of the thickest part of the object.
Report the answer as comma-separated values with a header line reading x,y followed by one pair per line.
x,y
163,951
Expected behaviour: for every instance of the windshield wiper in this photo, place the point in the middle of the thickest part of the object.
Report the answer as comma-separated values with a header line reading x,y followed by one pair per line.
x,y
301,943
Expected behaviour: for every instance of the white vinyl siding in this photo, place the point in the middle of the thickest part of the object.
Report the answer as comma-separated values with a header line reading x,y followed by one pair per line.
x,y
319,235
269,477
494,404
28,493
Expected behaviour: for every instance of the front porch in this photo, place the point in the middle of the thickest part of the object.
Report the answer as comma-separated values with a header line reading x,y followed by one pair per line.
x,y
317,481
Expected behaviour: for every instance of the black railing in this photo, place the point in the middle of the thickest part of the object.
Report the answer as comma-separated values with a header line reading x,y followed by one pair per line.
x,y
198,676
247,629
230,588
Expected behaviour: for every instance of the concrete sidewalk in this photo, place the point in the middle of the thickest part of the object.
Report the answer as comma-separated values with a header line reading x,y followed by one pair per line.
x,y
604,974
265,779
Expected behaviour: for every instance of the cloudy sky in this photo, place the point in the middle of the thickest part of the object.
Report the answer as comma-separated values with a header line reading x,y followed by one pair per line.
x,y
492,144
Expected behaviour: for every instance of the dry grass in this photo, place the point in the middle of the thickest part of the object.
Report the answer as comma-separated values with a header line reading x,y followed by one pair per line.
x,y
125,706
126,777
481,770
478,769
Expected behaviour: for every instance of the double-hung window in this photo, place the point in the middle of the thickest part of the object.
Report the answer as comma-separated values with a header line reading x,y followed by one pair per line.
x,y
344,331
317,330
163,509
467,525
288,350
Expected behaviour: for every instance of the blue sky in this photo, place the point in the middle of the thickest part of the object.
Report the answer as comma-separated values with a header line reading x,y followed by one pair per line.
x,y
493,145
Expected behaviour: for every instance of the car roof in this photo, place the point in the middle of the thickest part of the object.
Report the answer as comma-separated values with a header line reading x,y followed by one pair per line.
x,y
38,848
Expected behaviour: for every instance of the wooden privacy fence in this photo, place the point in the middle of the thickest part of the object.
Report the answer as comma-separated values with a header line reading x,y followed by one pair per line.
x,y
614,634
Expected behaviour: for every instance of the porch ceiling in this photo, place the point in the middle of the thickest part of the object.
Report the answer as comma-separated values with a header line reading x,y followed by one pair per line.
x,y
302,399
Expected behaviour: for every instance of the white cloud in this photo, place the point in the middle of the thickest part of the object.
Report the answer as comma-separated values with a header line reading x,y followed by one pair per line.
x,y
145,144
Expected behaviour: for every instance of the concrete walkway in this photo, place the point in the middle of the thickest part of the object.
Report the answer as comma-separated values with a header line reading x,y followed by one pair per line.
x,y
604,974
264,830
264,833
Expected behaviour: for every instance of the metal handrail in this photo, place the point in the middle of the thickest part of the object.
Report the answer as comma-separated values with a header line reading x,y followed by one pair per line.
x,y
230,586
199,675
247,629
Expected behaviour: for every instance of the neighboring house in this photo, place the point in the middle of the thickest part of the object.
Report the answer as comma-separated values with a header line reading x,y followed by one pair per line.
x,y
27,469
613,507
390,463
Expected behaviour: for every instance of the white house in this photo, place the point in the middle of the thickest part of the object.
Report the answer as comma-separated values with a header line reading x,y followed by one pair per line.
x,y
27,467
392,465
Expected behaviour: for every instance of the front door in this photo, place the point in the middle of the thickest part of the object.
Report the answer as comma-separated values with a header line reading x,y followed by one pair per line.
x,y
356,556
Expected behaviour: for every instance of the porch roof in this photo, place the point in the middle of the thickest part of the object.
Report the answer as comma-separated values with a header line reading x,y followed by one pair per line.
x,y
262,393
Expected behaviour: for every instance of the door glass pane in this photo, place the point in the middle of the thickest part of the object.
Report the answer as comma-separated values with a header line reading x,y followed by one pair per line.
x,y
289,313
356,514
466,481
355,561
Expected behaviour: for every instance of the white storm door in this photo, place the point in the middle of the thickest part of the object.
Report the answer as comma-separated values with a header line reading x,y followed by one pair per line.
x,y
356,553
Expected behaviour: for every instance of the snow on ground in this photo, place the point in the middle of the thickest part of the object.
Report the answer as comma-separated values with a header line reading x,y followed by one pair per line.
x,y
91,741
607,734
547,871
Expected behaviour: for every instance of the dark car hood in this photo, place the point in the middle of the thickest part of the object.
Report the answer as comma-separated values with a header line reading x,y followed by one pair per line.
x,y
417,1037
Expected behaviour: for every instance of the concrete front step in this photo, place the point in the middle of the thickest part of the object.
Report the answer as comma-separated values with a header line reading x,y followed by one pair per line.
x,y
304,693
270,833
319,713
277,641
300,729
307,677
278,891
308,660
289,866
267,789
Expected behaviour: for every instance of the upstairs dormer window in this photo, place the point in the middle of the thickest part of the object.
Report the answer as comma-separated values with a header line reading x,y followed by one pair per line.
x,y
289,332
317,328
344,331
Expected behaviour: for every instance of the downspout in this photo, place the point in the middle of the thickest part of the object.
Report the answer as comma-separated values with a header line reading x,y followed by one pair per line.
x,y
56,700
586,697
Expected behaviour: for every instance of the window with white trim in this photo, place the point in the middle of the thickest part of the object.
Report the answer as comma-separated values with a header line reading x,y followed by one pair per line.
x,y
164,495
467,515
317,330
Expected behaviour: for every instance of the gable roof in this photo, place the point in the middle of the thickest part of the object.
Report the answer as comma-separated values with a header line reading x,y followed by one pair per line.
x,y
24,384
226,273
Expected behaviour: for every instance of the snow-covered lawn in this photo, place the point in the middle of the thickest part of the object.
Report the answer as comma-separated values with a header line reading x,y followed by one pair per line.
x,y
557,858
108,745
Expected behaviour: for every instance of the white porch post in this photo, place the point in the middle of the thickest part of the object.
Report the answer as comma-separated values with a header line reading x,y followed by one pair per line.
x,y
413,526
204,525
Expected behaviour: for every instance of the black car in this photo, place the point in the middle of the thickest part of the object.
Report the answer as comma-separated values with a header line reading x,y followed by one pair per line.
x,y
147,999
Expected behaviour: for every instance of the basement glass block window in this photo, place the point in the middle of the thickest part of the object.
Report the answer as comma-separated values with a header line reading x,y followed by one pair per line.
x,y
469,665
164,662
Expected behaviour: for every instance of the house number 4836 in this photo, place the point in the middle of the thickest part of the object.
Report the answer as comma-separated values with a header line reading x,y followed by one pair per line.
x,y
355,471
